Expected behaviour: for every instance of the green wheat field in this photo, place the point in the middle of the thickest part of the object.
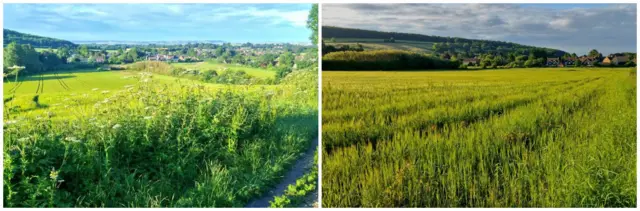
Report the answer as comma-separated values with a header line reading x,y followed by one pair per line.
x,y
546,137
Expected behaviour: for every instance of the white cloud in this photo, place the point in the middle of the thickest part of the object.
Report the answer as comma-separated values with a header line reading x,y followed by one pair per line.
x,y
574,29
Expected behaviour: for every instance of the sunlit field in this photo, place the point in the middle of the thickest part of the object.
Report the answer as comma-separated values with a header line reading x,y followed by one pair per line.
x,y
550,137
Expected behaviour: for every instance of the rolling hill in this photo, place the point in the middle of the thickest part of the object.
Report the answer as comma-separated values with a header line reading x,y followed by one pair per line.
x,y
34,40
463,47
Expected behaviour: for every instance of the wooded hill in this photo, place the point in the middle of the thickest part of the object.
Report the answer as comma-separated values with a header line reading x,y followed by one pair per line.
x,y
34,40
464,48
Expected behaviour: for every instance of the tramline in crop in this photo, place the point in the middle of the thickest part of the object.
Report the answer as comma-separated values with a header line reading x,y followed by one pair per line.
x,y
513,138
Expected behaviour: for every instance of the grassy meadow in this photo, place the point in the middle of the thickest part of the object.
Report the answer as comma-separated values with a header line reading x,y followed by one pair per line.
x,y
549,137
210,65
135,139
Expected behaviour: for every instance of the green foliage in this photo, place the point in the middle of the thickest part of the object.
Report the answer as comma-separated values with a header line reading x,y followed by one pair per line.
x,y
25,55
227,76
155,145
281,72
384,60
312,23
501,138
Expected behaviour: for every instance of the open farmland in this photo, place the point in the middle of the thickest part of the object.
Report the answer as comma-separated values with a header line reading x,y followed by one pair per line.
x,y
379,44
502,138
136,139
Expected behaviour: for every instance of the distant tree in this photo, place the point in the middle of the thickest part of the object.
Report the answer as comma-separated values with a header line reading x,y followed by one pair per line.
x,y
83,50
594,53
286,59
192,52
50,60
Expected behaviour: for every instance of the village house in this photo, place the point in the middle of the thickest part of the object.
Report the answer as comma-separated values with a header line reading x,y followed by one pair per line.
x,y
100,59
470,61
569,61
615,60
588,60
553,62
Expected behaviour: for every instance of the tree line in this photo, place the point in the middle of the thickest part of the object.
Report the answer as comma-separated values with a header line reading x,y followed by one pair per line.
x,y
385,60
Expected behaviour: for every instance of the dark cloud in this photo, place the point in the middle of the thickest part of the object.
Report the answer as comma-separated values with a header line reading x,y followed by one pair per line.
x,y
609,28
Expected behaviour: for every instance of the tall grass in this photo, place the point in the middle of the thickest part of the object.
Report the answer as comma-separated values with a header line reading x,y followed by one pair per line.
x,y
556,140
154,145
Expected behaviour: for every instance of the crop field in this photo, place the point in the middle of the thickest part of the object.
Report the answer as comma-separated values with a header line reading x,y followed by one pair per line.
x,y
378,44
257,72
498,138
136,139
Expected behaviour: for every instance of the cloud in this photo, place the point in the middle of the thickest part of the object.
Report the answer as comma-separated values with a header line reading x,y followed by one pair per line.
x,y
573,28
160,21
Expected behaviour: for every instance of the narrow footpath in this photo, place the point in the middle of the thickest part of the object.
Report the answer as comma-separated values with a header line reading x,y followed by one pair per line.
x,y
302,166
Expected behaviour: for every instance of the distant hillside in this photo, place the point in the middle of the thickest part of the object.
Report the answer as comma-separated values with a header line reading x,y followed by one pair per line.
x,y
34,40
464,48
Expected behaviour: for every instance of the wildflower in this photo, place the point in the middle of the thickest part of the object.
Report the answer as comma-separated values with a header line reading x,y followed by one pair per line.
x,y
117,126
94,89
54,174
72,139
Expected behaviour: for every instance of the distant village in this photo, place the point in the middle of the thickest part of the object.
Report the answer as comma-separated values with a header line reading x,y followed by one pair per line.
x,y
587,61
246,55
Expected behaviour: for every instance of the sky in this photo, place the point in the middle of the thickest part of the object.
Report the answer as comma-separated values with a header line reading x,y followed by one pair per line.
x,y
162,22
575,28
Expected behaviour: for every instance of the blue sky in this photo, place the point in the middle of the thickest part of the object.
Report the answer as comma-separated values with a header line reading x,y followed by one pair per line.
x,y
575,28
162,22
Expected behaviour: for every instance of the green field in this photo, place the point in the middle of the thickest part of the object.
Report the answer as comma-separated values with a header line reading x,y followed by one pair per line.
x,y
136,139
379,44
497,138
86,86
257,72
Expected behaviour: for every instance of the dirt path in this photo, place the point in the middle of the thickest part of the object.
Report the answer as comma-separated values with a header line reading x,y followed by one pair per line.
x,y
302,166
